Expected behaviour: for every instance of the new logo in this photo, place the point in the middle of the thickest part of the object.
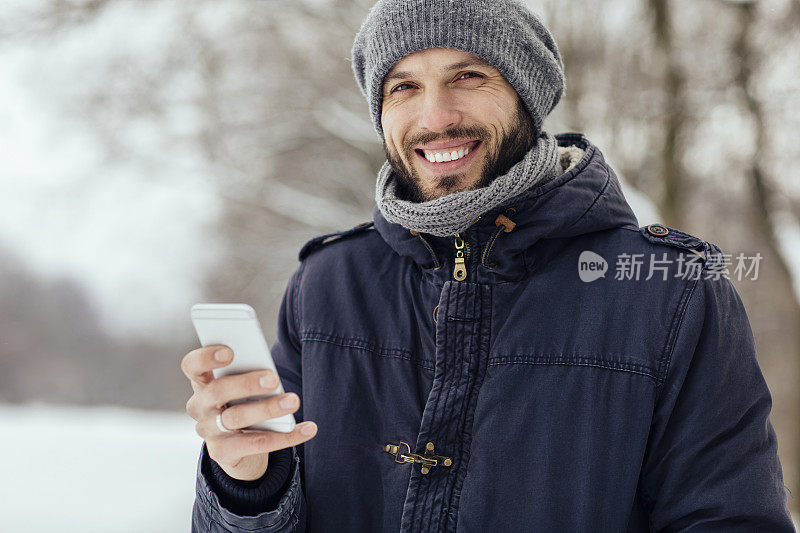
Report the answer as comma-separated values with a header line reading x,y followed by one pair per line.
x,y
591,266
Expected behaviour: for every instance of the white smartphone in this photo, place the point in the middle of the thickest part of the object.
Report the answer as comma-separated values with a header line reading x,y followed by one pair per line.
x,y
236,326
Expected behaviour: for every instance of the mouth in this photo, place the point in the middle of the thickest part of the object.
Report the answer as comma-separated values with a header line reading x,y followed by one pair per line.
x,y
448,157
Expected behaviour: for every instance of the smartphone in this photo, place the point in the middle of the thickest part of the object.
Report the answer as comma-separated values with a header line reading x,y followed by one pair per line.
x,y
236,326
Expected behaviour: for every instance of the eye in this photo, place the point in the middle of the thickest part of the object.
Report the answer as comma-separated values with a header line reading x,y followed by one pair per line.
x,y
469,75
399,86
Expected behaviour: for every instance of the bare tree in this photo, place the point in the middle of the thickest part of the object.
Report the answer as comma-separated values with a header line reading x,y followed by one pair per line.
x,y
768,204
674,113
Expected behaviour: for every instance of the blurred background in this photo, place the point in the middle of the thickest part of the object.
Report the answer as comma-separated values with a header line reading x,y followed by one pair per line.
x,y
157,153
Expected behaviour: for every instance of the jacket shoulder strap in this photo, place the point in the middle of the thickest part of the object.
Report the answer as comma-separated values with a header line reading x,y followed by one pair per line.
x,y
711,254
660,234
318,242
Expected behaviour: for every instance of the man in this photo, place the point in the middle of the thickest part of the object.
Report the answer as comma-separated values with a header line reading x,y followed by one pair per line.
x,y
463,368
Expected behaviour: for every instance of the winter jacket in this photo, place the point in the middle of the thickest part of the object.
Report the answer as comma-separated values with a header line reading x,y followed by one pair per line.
x,y
501,380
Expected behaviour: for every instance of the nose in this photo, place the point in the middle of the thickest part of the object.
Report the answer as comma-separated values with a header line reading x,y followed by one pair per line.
x,y
439,111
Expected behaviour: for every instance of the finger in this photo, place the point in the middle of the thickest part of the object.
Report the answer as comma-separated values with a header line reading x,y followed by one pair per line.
x,y
230,449
198,364
246,414
221,391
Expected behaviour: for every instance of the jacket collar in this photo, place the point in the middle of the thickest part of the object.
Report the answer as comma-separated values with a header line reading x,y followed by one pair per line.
x,y
585,199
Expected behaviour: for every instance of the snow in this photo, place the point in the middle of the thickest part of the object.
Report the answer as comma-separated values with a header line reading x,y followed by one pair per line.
x,y
96,469
128,228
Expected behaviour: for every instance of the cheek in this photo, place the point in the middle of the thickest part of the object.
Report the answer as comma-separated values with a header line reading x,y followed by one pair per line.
x,y
394,133
398,118
396,143
493,107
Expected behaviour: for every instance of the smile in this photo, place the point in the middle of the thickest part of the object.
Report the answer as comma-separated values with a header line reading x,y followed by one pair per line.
x,y
440,156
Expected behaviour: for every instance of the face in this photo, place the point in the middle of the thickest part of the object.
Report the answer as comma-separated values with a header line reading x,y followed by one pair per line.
x,y
451,122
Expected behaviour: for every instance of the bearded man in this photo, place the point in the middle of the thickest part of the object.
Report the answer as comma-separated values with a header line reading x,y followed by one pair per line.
x,y
462,361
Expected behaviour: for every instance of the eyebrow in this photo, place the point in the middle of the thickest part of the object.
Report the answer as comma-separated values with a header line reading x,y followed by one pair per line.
x,y
405,74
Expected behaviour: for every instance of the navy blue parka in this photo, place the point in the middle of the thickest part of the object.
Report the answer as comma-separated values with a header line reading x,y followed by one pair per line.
x,y
550,403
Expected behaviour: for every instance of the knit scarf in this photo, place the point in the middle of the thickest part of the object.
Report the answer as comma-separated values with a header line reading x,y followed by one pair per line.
x,y
453,213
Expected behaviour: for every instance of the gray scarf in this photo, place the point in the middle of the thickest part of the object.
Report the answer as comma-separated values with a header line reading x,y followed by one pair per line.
x,y
453,213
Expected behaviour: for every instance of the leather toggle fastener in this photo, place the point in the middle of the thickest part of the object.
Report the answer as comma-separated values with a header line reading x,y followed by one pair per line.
x,y
506,222
428,460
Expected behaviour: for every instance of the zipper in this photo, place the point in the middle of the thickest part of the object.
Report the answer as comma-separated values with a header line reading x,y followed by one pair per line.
x,y
462,254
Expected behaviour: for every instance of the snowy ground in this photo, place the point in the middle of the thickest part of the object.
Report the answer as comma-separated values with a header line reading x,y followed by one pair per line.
x,y
96,469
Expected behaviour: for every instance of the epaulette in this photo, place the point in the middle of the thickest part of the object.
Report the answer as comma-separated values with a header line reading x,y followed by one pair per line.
x,y
318,242
658,233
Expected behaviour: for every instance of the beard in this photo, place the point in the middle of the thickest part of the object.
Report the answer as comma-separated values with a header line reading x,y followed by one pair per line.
x,y
516,142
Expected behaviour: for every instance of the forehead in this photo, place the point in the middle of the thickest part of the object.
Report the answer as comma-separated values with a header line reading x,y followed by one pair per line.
x,y
434,60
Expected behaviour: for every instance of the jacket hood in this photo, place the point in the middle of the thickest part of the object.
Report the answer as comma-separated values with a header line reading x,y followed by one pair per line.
x,y
585,199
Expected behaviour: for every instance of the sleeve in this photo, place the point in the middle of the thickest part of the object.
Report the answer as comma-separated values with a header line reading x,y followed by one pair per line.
x,y
226,505
250,497
711,462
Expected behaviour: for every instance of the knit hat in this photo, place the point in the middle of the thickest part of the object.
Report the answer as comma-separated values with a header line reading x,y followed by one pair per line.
x,y
502,32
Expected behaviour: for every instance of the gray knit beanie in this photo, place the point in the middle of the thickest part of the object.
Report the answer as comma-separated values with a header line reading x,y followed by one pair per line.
x,y
502,32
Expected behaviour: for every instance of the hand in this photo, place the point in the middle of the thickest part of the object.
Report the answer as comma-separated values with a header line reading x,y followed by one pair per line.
x,y
243,454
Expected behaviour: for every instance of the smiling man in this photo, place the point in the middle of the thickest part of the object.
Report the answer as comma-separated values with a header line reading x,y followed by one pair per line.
x,y
452,123
453,369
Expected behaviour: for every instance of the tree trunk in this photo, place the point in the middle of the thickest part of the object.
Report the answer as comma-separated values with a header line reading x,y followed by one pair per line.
x,y
764,198
673,175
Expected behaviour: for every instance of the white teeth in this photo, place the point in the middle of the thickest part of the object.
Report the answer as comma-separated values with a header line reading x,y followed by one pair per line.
x,y
441,157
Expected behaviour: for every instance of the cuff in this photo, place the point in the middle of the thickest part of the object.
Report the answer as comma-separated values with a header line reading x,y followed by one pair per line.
x,y
249,498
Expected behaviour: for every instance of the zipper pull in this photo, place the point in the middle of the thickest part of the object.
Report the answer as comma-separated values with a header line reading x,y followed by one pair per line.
x,y
460,270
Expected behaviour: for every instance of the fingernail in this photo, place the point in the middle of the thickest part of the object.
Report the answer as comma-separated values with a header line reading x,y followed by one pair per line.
x,y
288,401
308,428
269,381
221,355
